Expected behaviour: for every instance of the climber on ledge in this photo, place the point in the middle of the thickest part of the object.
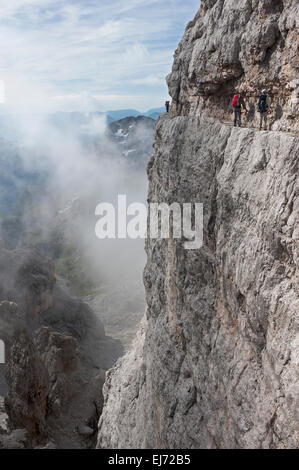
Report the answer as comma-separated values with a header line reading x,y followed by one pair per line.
x,y
263,108
238,103
167,106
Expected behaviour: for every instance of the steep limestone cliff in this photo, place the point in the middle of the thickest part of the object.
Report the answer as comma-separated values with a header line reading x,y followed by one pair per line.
x,y
56,350
215,364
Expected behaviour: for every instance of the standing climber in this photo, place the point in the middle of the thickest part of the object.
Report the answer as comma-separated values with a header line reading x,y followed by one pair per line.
x,y
167,106
263,108
238,103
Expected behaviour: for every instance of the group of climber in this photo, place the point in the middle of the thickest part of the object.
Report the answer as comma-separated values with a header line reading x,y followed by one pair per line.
x,y
263,107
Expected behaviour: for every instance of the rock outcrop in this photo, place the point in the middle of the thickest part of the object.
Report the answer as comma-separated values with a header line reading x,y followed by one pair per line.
x,y
215,364
246,45
56,350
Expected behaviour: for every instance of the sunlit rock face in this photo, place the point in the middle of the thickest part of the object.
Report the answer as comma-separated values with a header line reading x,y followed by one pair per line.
x,y
215,362
55,352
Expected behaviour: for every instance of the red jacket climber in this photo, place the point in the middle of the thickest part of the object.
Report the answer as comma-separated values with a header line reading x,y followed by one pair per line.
x,y
237,103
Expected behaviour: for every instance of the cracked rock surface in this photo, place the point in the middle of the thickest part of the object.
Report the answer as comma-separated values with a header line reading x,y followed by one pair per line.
x,y
244,45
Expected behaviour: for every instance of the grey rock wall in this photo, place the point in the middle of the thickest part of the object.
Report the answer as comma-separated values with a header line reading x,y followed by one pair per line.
x,y
55,349
216,364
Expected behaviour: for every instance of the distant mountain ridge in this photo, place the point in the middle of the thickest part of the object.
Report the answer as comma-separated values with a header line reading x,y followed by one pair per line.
x,y
80,117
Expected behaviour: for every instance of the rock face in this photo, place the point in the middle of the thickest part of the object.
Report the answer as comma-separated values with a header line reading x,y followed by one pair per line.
x,y
55,351
134,138
26,278
215,364
246,45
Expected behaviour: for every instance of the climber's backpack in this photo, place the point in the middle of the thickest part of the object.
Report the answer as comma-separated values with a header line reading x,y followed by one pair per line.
x,y
236,101
262,104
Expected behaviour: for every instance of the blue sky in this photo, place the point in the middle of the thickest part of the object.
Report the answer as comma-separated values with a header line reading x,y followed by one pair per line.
x,y
91,54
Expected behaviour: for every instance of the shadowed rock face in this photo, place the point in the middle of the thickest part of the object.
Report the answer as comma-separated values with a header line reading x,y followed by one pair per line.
x,y
215,362
54,388
55,350
245,45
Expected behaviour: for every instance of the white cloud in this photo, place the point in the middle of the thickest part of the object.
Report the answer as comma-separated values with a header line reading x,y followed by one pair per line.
x,y
68,47
151,80
102,102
